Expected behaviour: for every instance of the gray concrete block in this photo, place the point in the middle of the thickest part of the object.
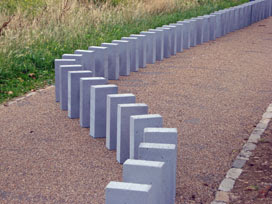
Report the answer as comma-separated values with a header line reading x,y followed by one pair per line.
x,y
124,47
237,16
212,27
173,30
63,83
142,49
161,135
124,112
180,28
87,60
206,28
227,185
147,172
199,30
166,153
151,47
98,107
186,34
193,32
134,53
137,125
74,91
166,41
114,60
218,27
101,61
232,19
113,100
58,63
159,43
128,193
77,57
85,95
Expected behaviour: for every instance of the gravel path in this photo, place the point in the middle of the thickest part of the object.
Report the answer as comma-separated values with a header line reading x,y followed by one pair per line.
x,y
214,94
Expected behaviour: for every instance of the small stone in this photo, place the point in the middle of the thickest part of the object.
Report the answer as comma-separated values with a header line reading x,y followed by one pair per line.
x,y
222,196
226,185
10,92
234,173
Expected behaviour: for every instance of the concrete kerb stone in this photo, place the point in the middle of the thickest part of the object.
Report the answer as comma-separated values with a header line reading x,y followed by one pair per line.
x,y
159,43
165,153
113,100
134,53
192,32
87,60
147,172
74,91
161,135
173,30
58,63
124,193
124,112
212,27
101,61
150,47
114,60
124,52
142,49
186,34
218,25
98,105
206,30
63,83
166,41
179,36
137,125
199,30
85,95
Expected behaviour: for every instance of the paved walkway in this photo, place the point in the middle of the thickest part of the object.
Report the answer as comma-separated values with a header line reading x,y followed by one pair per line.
x,y
214,94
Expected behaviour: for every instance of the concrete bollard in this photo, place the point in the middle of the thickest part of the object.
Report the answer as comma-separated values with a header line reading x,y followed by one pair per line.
x,y
98,109
166,153
134,53
137,125
179,36
124,47
161,135
74,91
199,30
114,60
173,30
159,43
186,34
84,98
151,47
166,41
142,49
218,27
128,193
206,29
77,57
212,27
87,60
232,19
113,100
58,63
63,83
192,32
147,172
101,61
124,112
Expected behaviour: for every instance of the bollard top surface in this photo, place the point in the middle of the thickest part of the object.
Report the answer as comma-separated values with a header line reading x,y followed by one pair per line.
x,y
104,86
83,51
161,130
128,186
146,116
73,66
79,72
65,60
138,162
129,38
120,41
157,146
71,55
147,32
132,105
121,95
109,44
98,48
92,78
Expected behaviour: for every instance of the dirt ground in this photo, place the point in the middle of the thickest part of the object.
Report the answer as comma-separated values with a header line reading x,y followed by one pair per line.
x,y
254,186
214,94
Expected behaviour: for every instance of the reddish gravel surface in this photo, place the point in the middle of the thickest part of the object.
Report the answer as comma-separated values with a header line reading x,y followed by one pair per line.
x,y
214,94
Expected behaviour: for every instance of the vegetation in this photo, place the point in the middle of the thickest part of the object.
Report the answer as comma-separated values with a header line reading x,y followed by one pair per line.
x,y
35,32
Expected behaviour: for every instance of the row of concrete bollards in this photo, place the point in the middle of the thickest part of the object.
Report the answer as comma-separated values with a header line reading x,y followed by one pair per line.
x,y
147,151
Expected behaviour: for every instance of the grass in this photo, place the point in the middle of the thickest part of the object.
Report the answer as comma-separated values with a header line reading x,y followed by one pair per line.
x,y
42,30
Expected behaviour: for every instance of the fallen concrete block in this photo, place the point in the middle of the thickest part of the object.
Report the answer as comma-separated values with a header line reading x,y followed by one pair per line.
x,y
179,36
113,100
98,109
166,153
142,49
87,60
161,135
166,41
114,60
74,91
63,83
151,47
134,53
159,43
85,95
128,193
58,63
137,125
147,172
124,47
101,61
123,128
173,30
